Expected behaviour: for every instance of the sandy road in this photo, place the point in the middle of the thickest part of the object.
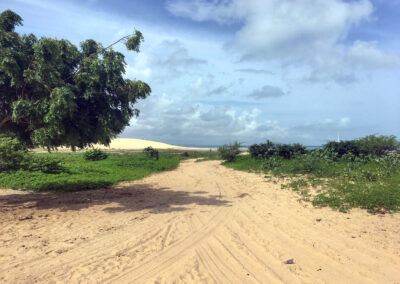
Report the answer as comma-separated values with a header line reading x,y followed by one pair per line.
x,y
201,223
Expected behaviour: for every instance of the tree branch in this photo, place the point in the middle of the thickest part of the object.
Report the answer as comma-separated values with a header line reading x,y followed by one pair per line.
x,y
5,120
97,52
125,37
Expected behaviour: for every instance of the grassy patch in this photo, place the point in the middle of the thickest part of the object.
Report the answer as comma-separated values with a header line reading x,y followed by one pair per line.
x,y
82,174
370,183
245,163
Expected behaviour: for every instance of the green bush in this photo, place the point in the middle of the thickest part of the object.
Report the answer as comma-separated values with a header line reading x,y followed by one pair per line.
x,y
269,149
151,153
95,155
377,145
46,165
229,152
288,151
369,145
261,151
342,148
13,155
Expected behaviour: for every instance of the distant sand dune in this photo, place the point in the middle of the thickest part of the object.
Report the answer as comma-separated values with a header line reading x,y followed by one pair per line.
x,y
128,144
138,144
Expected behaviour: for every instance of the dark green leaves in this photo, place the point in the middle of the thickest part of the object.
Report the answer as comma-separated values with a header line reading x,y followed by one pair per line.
x,y
58,95
133,42
9,20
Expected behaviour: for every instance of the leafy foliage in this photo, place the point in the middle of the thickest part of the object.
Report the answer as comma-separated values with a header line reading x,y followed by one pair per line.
x,y
342,148
369,145
53,93
13,155
151,153
268,149
262,150
95,155
377,145
46,165
288,151
229,152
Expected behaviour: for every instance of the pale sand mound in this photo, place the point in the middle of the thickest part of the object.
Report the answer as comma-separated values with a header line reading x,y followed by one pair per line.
x,y
201,223
138,144
128,144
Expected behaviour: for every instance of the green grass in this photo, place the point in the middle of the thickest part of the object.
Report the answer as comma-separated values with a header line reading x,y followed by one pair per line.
x,y
82,174
370,183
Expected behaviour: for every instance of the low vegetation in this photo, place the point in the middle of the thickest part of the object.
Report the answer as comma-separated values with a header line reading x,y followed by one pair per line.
x,y
229,152
151,153
70,172
95,155
342,175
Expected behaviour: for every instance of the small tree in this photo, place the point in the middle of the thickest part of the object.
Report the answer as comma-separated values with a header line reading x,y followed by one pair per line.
x,y
53,93
151,153
229,152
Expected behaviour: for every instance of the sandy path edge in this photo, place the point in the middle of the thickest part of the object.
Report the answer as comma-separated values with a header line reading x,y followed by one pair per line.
x,y
201,223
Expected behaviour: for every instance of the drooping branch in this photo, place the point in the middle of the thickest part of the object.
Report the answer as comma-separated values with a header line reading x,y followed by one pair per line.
x,y
127,37
111,45
5,120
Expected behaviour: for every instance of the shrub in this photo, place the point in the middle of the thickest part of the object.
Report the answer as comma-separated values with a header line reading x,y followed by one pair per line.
x,y
151,153
377,145
46,165
185,154
265,150
342,148
288,151
369,145
229,152
95,155
13,155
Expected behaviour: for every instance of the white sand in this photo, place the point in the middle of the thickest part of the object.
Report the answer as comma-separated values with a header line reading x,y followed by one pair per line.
x,y
138,144
128,144
200,223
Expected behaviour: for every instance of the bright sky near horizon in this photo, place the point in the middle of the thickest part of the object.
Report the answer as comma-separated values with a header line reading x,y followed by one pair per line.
x,y
246,70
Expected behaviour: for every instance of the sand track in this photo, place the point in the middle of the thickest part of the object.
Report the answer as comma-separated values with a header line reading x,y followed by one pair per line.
x,y
201,223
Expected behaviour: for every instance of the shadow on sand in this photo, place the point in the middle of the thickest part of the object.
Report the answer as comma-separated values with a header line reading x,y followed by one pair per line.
x,y
123,197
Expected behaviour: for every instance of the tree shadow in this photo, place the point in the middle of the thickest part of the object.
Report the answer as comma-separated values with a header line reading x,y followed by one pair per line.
x,y
121,198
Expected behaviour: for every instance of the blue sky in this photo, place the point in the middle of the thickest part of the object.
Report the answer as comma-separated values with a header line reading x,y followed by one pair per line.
x,y
289,71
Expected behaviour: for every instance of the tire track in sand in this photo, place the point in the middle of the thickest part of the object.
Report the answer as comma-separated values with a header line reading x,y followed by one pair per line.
x,y
231,227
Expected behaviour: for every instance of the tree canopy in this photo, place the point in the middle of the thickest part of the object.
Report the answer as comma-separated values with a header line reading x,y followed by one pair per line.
x,y
53,93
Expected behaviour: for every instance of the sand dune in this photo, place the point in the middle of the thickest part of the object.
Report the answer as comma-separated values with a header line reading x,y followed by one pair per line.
x,y
128,144
138,144
201,223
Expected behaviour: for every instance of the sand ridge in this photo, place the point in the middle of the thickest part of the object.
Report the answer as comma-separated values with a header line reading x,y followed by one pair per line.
x,y
130,144
201,223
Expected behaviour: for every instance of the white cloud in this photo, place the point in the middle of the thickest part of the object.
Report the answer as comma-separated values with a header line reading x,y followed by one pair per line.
x,y
171,118
296,33
368,55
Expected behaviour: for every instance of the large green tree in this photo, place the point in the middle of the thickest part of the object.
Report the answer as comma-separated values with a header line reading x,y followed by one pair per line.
x,y
55,94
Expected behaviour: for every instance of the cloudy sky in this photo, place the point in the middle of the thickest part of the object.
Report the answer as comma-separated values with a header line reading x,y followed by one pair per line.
x,y
246,70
